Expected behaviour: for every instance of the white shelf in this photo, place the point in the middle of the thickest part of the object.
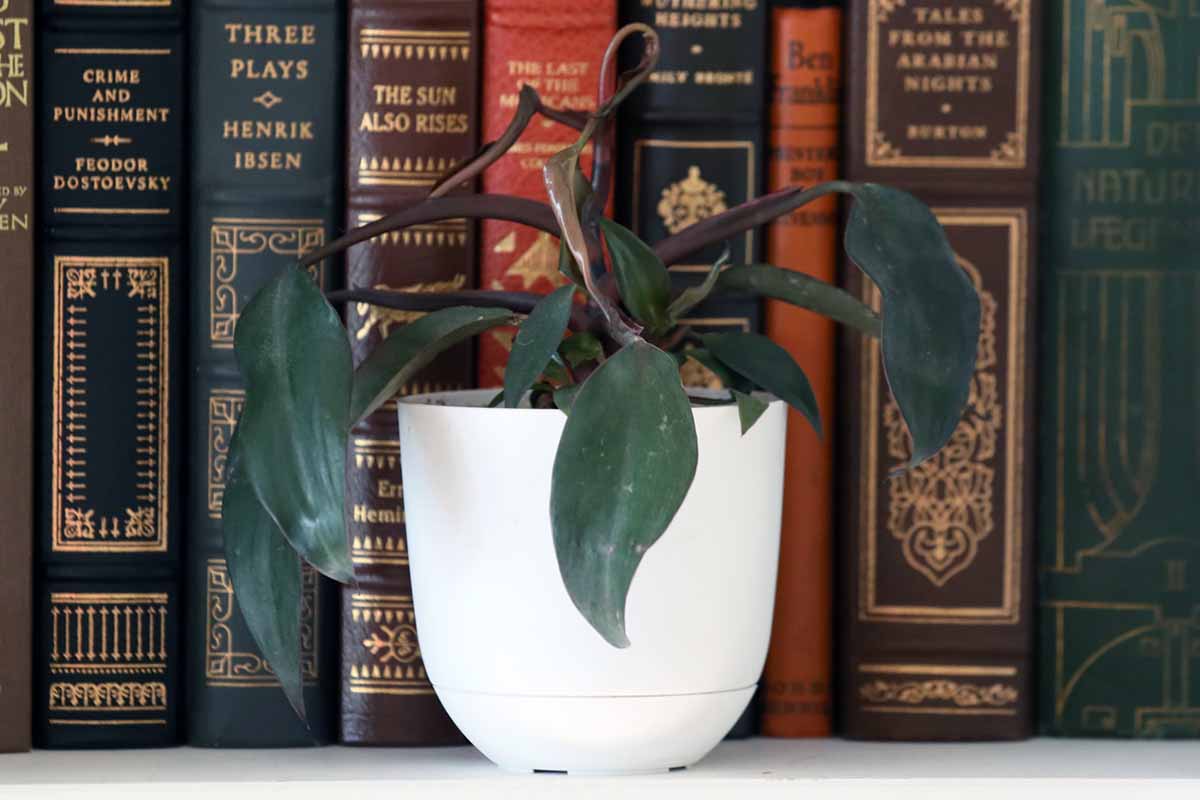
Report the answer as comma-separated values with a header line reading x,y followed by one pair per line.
x,y
766,768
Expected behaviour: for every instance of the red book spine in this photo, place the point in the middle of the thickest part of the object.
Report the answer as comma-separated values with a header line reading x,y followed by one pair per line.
x,y
805,115
556,47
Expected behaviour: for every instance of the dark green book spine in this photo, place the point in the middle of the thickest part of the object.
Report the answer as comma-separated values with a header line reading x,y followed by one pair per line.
x,y
1120,371
110,111
691,144
265,156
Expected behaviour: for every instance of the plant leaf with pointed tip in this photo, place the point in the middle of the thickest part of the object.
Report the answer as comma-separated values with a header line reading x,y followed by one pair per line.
x,y
729,379
768,365
567,266
930,311
750,408
411,347
693,296
642,277
295,359
537,339
803,291
624,464
265,571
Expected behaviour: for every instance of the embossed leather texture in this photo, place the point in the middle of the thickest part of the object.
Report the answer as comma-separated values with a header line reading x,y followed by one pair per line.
x,y
412,114
266,145
107,661
804,132
935,606
16,393
556,47
1120,374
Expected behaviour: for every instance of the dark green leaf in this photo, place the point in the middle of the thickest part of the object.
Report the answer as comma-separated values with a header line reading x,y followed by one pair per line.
x,y
295,359
642,277
581,348
930,310
564,398
693,296
537,339
412,347
265,571
768,365
730,380
800,290
497,400
625,462
556,370
750,408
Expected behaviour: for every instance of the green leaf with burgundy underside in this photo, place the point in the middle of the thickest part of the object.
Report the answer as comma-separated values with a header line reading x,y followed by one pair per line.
x,y
265,571
412,347
642,278
803,291
768,365
693,296
625,462
537,339
930,310
750,408
295,359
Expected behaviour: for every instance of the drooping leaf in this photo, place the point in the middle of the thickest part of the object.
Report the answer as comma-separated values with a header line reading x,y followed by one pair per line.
x,y
729,379
800,290
265,571
564,398
537,339
642,277
410,348
750,408
581,348
624,464
567,266
295,359
693,296
768,365
930,310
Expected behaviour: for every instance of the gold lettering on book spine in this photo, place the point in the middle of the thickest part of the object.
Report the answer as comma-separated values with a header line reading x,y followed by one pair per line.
x,y
232,243
77,525
389,661
232,663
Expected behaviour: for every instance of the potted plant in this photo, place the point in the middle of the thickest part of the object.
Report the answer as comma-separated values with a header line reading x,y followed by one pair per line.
x,y
530,511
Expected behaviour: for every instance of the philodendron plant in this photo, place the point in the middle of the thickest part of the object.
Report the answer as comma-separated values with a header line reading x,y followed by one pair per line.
x,y
605,348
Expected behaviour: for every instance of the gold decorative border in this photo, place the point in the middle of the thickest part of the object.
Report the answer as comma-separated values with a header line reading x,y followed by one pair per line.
x,y
1015,220
1012,154
231,237
390,661
148,278
434,45
227,667
224,408
938,689
730,144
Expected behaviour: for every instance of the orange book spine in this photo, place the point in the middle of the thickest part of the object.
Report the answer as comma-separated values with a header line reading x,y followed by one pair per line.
x,y
555,46
805,111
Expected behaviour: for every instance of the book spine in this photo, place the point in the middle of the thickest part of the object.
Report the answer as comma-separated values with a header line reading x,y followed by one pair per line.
x,y
1120,371
16,351
412,113
266,158
111,123
556,47
691,144
935,617
804,134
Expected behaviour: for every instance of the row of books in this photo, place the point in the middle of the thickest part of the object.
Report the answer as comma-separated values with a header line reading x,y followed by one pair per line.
x,y
186,153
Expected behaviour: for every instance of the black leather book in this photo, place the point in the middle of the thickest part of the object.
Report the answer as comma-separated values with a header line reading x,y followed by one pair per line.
x,y
691,144
265,157
107,656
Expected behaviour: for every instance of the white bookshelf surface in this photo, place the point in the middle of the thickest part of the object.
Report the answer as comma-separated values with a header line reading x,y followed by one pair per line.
x,y
759,768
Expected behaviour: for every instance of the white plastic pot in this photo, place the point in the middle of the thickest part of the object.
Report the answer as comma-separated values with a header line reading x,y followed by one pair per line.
x,y
518,668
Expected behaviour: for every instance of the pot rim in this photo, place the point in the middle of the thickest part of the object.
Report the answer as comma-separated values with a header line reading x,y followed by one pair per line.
x,y
479,398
